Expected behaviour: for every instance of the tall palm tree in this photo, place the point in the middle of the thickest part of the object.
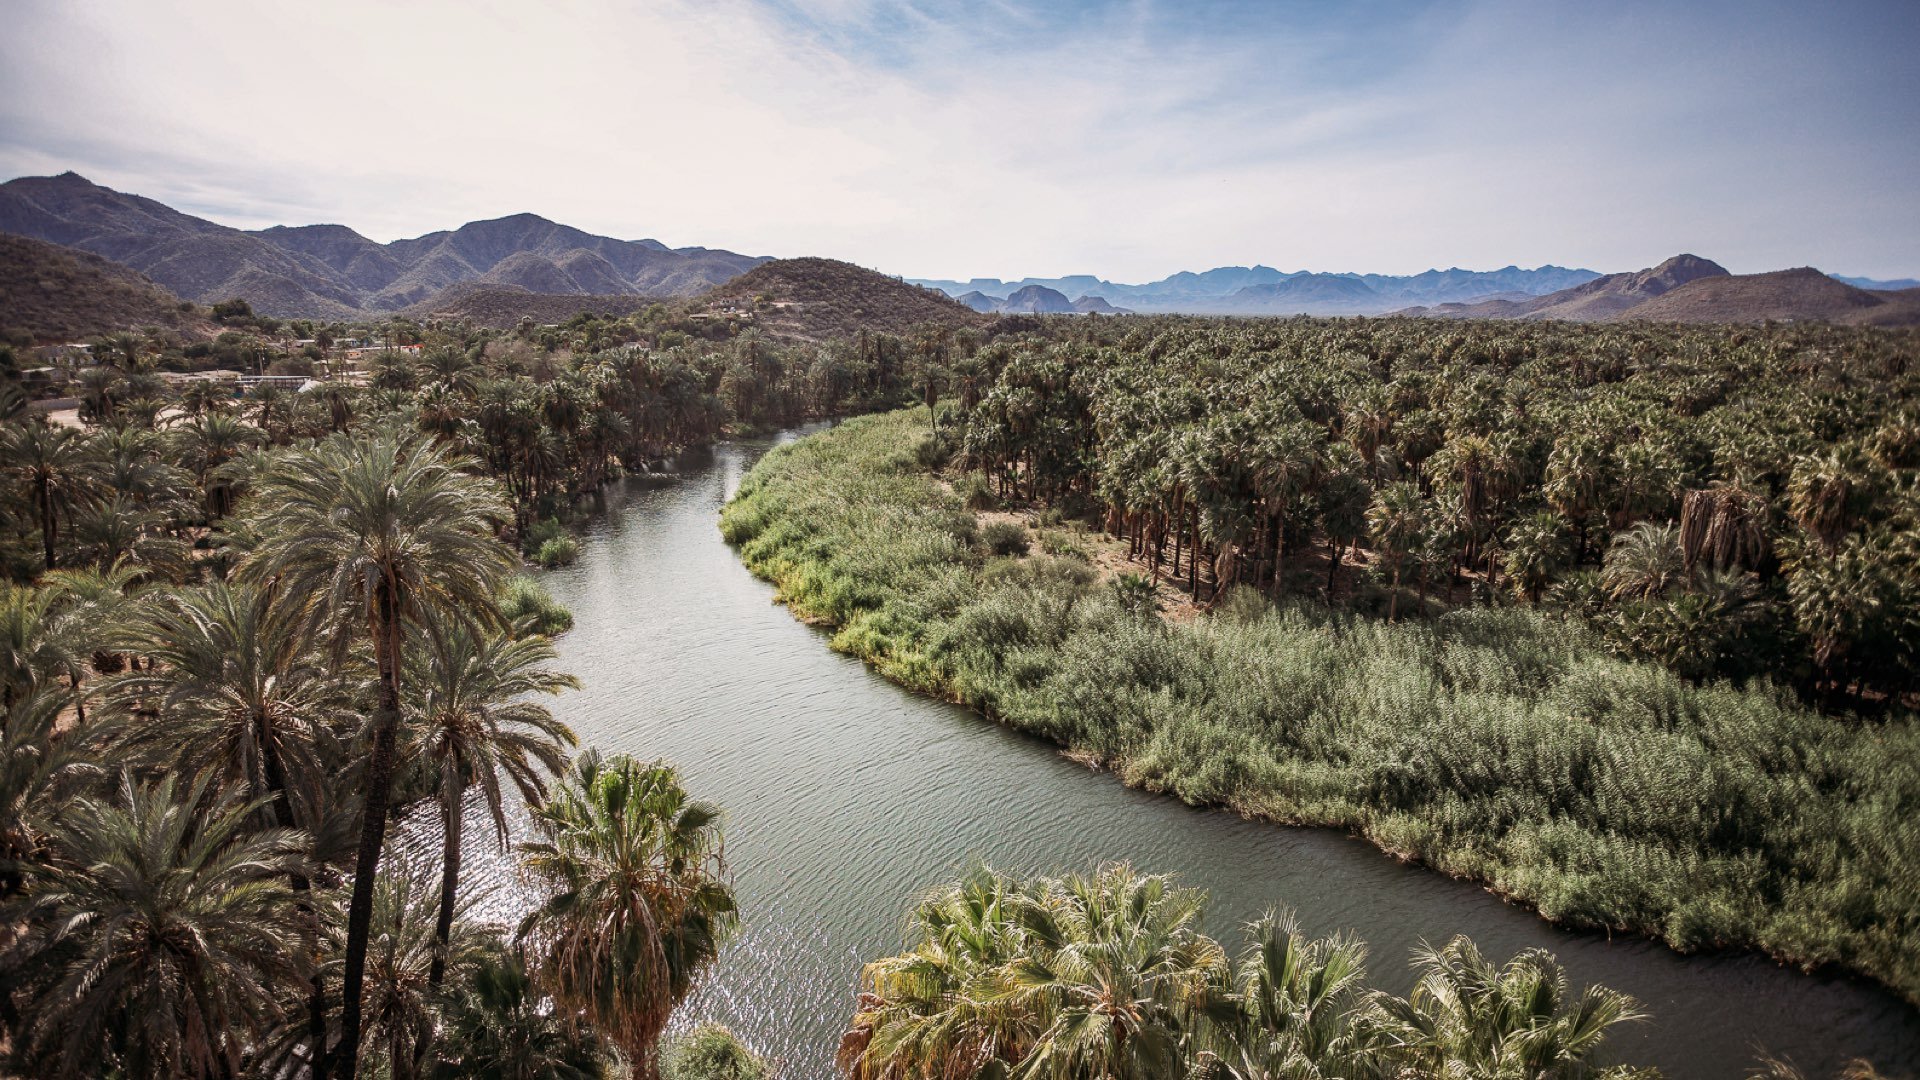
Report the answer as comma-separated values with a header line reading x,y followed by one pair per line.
x,y
1398,520
638,901
157,940
498,1028
53,464
235,693
1467,1017
373,534
475,721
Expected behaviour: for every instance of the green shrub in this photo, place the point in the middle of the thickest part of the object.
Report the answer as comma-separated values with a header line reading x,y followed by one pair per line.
x,y
559,551
710,1052
1006,538
1064,545
976,492
525,602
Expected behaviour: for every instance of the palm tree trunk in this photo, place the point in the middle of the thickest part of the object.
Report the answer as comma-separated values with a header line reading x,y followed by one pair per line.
x,y
274,780
47,525
451,819
373,827
1393,599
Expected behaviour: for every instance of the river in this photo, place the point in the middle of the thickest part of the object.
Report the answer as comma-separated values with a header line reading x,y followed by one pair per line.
x,y
846,797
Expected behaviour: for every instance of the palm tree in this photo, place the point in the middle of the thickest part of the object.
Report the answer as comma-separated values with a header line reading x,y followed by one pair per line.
x,y
234,693
37,774
498,1028
36,645
1725,523
1292,1013
402,1002
637,901
1117,970
473,721
54,466
373,534
1467,1017
1645,561
929,1012
205,444
1827,495
1398,520
1535,553
157,940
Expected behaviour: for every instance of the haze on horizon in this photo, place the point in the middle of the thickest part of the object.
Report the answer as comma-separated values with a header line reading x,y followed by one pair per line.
x,y
1006,139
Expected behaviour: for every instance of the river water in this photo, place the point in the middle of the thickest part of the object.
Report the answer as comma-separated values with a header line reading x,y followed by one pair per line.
x,y
846,797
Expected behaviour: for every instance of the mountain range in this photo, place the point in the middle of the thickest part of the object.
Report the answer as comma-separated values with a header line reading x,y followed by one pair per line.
x,y
1263,290
330,271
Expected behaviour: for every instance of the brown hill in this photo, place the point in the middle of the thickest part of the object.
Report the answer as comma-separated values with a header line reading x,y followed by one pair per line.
x,y
1800,294
1607,297
814,299
504,306
330,271
61,294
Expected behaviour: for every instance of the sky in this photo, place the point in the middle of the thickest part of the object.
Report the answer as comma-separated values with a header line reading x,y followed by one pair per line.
x,y
996,138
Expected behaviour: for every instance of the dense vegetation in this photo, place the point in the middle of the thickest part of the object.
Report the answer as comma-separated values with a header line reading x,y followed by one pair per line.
x,y
1730,502
241,638
1504,743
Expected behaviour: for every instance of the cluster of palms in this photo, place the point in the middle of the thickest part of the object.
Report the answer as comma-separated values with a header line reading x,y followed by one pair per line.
x,y
1727,500
551,423
204,754
1108,975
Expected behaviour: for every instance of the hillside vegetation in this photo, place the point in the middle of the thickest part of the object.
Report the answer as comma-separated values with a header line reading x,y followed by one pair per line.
x,y
50,293
817,299
1506,745
332,272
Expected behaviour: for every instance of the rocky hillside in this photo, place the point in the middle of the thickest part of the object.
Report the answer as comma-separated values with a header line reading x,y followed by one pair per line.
x,y
815,299
56,294
1036,300
1687,288
504,306
1800,294
330,271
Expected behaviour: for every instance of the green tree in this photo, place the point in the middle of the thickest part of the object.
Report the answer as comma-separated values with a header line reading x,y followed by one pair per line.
x,y
374,533
157,941
637,900
474,720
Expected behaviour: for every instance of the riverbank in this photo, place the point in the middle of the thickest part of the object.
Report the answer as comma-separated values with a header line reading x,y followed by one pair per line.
x,y
1498,745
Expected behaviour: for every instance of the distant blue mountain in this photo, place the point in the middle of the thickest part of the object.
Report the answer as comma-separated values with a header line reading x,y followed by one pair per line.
x,y
1874,283
1263,290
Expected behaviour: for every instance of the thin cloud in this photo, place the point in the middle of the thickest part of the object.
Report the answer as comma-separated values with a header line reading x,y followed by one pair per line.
x,y
1128,140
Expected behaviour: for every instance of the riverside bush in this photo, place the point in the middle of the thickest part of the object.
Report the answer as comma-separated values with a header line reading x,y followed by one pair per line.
x,y
1503,744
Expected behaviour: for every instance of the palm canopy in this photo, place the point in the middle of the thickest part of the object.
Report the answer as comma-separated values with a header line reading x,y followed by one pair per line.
x,y
1468,1017
159,940
638,901
234,693
377,530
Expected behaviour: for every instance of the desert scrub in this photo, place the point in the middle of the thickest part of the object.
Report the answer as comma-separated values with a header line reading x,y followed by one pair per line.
x,y
1501,744
1006,538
